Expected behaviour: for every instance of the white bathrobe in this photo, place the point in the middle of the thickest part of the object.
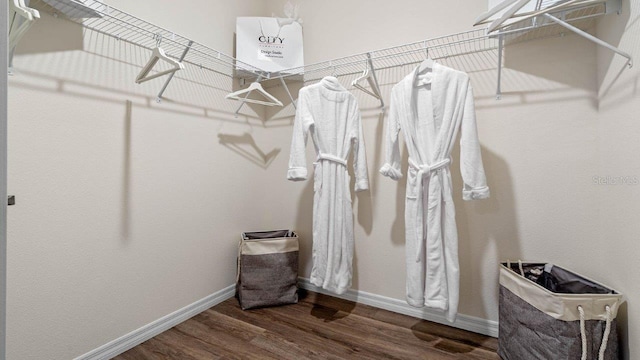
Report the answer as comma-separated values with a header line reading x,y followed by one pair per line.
x,y
330,113
430,116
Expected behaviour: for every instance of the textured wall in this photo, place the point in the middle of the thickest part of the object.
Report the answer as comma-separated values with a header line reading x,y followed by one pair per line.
x,y
566,119
128,210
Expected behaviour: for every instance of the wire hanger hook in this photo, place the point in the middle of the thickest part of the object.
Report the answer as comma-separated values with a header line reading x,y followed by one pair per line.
x,y
158,38
333,69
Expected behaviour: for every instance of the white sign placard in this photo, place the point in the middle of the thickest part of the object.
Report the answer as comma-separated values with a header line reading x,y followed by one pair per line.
x,y
269,43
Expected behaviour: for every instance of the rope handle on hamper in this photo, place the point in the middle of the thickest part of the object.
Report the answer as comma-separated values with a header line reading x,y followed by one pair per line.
x,y
605,336
519,266
583,334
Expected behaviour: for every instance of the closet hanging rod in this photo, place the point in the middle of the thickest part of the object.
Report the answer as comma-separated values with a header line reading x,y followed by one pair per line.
x,y
355,68
144,34
358,60
362,57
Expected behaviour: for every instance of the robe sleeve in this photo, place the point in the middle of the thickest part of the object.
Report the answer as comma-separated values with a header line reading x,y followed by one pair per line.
x,y
297,157
359,154
471,168
391,167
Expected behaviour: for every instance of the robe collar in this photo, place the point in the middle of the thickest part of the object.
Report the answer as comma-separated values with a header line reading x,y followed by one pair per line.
x,y
437,87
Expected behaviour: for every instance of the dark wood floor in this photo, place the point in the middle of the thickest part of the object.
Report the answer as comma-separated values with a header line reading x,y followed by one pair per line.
x,y
318,327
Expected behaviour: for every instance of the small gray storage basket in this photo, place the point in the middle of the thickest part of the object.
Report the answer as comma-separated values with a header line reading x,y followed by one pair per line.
x,y
267,269
549,313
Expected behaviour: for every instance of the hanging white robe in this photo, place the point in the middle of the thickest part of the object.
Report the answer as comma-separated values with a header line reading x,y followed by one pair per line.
x,y
330,113
430,116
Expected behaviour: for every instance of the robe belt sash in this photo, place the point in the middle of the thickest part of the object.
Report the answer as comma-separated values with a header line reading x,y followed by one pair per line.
x,y
332,158
425,171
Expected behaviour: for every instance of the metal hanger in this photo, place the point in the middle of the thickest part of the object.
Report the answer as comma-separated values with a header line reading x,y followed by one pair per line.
x,y
428,63
369,74
373,89
425,70
156,55
255,86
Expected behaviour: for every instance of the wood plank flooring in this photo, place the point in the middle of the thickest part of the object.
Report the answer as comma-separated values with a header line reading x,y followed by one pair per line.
x,y
318,327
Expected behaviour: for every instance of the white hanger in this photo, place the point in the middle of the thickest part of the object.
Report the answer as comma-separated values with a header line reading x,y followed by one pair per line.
x,y
18,9
510,17
427,64
507,15
255,86
425,69
367,75
17,31
156,55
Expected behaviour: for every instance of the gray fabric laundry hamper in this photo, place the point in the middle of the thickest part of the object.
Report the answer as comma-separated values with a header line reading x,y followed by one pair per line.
x,y
549,313
267,269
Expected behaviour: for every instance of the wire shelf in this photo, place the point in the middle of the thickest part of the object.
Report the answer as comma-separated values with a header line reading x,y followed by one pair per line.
x,y
450,46
104,19
582,17
110,21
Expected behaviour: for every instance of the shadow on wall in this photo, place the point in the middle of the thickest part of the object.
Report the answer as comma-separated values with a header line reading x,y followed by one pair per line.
x,y
561,59
566,60
398,227
365,198
486,228
245,146
282,116
549,71
125,222
377,151
38,39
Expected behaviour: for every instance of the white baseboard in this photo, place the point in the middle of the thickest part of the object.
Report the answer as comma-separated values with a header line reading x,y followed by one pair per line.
x,y
465,322
136,337
130,340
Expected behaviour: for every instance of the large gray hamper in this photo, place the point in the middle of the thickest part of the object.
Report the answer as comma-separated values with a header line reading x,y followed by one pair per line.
x,y
549,313
267,269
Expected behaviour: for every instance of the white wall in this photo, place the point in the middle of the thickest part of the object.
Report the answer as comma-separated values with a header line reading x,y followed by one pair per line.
x,y
127,210
124,216
615,245
558,125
